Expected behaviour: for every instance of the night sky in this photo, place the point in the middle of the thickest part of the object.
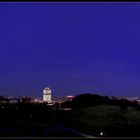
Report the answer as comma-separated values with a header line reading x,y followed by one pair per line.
x,y
73,48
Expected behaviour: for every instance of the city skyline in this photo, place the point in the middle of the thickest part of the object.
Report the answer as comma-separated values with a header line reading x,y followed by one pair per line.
x,y
73,48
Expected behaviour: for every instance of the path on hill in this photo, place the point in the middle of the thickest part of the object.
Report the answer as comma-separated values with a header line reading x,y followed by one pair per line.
x,y
54,130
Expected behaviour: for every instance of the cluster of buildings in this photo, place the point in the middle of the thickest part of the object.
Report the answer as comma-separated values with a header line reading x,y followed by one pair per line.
x,y
46,97
132,99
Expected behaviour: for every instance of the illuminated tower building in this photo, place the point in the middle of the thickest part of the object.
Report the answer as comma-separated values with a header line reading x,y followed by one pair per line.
x,y
47,95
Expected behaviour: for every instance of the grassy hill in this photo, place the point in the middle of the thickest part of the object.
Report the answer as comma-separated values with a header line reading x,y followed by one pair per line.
x,y
106,118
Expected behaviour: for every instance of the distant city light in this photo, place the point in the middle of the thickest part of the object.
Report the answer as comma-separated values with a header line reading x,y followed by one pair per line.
x,y
70,96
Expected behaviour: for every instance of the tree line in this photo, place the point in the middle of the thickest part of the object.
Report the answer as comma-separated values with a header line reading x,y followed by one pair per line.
x,y
88,100
83,100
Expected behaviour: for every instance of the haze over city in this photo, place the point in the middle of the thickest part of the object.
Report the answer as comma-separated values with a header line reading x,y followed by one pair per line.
x,y
73,48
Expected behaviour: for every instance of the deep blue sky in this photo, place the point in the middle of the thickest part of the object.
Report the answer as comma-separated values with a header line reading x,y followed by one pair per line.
x,y
72,47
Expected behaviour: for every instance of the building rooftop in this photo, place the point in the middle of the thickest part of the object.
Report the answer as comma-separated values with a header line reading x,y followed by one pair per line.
x,y
47,88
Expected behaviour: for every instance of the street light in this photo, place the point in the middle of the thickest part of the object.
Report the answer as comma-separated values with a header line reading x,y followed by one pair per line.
x,y
101,133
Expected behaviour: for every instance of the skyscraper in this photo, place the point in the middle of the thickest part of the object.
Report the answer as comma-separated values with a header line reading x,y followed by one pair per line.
x,y
47,95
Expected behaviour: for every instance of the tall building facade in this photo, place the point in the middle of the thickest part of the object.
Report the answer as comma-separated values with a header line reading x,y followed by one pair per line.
x,y
47,94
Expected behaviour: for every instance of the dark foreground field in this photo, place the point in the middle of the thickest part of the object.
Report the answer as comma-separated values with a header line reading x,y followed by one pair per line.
x,y
33,120
20,128
40,120
105,120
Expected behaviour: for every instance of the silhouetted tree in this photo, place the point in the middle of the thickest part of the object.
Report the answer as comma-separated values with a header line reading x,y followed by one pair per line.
x,y
123,103
86,100
25,100
106,100
66,104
